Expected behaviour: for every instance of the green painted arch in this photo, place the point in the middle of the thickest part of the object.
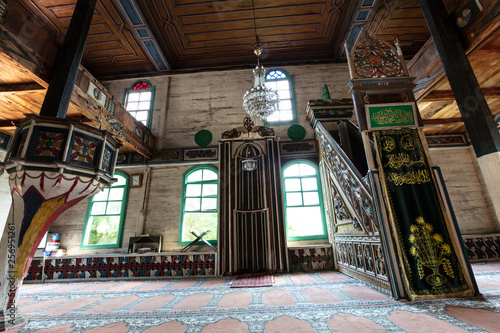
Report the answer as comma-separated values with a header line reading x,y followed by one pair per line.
x,y
122,215
212,236
322,220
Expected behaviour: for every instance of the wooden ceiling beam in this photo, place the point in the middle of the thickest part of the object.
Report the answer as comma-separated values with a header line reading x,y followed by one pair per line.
x,y
444,95
442,121
6,123
25,88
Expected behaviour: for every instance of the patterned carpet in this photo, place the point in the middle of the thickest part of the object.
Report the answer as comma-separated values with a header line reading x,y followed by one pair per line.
x,y
316,302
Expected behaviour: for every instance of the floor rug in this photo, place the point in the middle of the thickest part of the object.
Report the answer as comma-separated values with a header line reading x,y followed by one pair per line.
x,y
252,280
312,302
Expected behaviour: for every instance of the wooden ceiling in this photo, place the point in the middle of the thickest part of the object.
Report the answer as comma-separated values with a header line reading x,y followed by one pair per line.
x,y
132,38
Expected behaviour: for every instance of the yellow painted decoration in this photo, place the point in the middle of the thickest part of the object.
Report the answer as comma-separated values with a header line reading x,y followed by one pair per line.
x,y
46,210
409,178
430,251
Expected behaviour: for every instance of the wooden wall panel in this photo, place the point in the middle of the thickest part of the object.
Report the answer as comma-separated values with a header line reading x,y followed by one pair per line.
x,y
466,189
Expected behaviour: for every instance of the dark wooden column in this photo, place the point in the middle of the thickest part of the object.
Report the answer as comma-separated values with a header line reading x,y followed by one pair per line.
x,y
470,99
65,69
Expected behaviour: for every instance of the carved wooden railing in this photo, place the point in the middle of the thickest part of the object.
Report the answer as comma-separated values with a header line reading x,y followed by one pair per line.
x,y
349,203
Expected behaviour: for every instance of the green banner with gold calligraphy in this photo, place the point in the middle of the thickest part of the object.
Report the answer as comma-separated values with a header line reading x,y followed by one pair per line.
x,y
430,261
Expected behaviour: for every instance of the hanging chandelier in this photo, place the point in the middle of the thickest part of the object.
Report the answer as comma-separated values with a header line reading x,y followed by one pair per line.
x,y
260,101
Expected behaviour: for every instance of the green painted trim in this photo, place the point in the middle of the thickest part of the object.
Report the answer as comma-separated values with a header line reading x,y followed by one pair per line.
x,y
324,235
123,213
151,106
183,200
292,99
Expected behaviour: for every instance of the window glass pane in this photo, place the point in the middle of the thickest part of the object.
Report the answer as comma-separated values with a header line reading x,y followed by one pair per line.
x,y
209,189
200,205
274,74
193,190
120,180
304,221
209,175
292,171
307,170
199,222
195,176
102,196
132,106
208,204
285,105
309,184
103,230
292,184
282,85
98,208
274,117
284,94
116,193
144,105
133,97
141,115
192,204
145,96
114,208
272,85
294,199
286,115
311,198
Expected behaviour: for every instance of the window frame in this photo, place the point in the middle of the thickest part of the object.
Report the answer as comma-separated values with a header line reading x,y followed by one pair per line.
x,y
289,78
123,213
183,201
151,105
320,197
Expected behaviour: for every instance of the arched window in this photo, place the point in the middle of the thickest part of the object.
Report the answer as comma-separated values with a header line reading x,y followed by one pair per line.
x,y
106,215
139,101
283,84
303,201
199,204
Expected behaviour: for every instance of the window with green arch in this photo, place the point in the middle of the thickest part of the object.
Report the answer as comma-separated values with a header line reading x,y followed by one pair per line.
x,y
303,201
139,100
106,216
280,81
199,204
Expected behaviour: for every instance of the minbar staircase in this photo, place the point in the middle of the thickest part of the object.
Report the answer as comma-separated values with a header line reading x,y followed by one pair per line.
x,y
351,211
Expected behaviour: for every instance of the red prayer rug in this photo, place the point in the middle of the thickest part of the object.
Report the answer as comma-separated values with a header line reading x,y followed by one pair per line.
x,y
251,280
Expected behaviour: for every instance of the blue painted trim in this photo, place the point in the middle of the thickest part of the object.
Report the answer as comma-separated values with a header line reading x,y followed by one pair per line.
x,y
356,23
143,33
131,12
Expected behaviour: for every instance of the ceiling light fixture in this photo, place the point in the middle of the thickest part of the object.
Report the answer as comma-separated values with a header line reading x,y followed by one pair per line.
x,y
260,101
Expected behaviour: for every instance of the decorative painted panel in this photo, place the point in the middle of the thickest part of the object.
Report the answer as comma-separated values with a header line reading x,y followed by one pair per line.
x,y
482,247
298,147
123,266
49,143
107,159
317,258
84,149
